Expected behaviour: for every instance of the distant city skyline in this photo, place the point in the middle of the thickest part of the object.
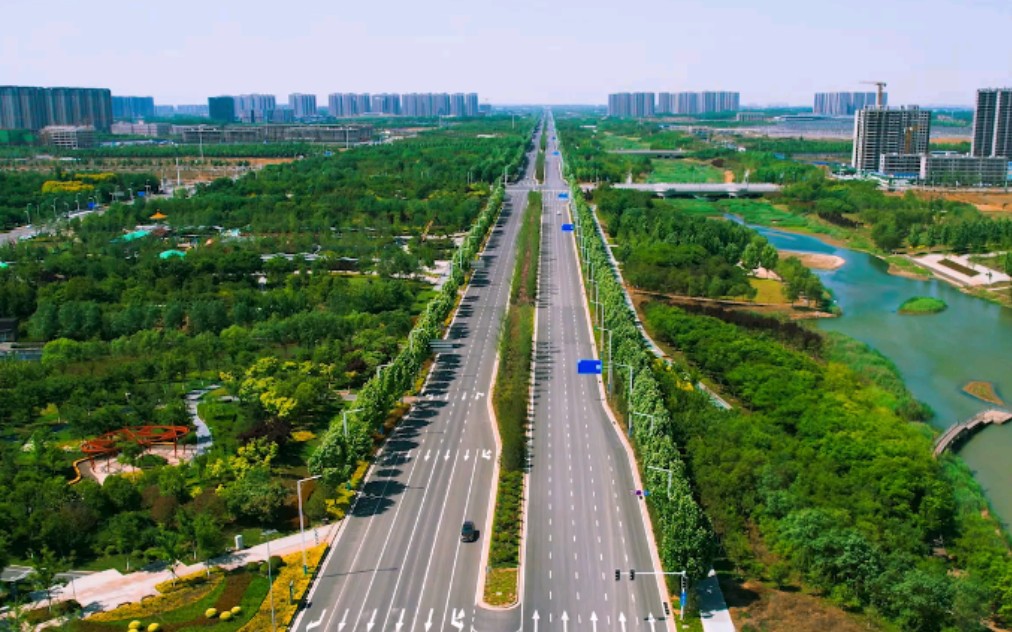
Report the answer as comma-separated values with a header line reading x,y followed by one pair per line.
x,y
779,52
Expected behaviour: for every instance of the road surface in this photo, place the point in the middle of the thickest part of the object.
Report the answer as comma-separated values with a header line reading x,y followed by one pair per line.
x,y
398,562
584,519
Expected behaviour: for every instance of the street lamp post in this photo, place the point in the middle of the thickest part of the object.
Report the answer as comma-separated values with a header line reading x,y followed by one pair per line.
x,y
302,524
344,416
610,357
629,394
653,418
670,473
381,367
28,215
270,580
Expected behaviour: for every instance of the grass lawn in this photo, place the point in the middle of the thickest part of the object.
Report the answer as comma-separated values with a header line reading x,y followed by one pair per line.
x,y
501,586
611,141
702,208
683,170
769,291
183,609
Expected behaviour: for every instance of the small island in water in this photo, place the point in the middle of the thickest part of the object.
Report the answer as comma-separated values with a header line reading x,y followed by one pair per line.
x,y
983,391
922,305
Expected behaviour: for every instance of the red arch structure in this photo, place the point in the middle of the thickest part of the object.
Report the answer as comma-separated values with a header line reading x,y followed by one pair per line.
x,y
145,436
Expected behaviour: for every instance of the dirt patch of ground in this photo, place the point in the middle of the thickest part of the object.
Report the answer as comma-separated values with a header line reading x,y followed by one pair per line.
x,y
816,261
991,202
755,606
728,176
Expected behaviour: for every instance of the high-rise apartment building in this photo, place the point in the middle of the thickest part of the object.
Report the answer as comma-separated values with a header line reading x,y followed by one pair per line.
x,y
221,109
199,109
471,107
631,104
25,107
992,124
302,105
255,108
879,131
844,103
698,102
132,108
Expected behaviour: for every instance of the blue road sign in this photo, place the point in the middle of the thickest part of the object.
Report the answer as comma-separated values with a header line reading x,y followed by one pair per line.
x,y
568,228
563,196
91,205
140,194
555,153
589,367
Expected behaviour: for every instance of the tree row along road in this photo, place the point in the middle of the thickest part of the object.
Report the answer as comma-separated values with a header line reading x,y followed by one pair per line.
x,y
398,562
584,521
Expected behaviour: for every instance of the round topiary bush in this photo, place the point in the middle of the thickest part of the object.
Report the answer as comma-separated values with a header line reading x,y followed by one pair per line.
x,y
134,625
236,609
154,627
225,616
211,613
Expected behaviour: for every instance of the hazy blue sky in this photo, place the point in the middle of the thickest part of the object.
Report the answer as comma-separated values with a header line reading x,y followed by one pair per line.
x,y
518,51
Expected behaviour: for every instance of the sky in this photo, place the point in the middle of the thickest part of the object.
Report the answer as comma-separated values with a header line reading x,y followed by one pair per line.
x,y
930,52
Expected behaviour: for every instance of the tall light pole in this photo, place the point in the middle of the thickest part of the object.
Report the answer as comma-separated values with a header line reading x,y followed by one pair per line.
x,y
270,579
661,469
28,215
302,523
381,367
610,358
629,394
344,416
653,418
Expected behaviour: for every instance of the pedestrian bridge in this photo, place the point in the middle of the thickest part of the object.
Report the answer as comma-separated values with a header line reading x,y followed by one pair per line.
x,y
964,429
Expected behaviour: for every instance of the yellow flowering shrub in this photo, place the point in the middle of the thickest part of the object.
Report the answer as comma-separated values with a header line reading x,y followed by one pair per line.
x,y
66,186
291,572
301,436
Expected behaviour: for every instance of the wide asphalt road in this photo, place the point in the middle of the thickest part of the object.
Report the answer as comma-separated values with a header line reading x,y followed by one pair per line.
x,y
398,563
584,519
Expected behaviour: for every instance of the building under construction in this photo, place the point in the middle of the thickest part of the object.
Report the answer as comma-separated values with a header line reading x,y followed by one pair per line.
x,y
881,130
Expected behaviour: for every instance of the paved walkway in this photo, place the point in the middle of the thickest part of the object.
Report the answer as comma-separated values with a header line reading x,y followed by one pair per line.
x,y
712,608
108,589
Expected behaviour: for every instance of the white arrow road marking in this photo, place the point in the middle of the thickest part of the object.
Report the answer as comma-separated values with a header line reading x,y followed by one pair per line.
x,y
314,624
344,621
565,621
428,624
479,395
486,454
372,621
535,617
447,456
467,454
621,620
593,621
427,454
457,619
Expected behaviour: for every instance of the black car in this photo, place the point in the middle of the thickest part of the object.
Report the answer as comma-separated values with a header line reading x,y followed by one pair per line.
x,y
468,533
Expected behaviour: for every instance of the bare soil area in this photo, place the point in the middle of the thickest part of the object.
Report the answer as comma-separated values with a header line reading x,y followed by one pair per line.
x,y
991,202
755,606
816,261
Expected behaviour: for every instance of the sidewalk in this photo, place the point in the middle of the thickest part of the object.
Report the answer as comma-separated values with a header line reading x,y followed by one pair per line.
x,y
108,589
713,610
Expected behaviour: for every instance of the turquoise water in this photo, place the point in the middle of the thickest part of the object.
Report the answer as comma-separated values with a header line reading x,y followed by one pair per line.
x,y
936,354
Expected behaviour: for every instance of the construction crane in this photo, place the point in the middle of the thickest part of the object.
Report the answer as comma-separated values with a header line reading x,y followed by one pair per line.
x,y
878,97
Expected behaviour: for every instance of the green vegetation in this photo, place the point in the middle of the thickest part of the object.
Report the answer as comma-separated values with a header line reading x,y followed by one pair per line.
x,y
682,170
825,470
539,166
792,146
510,399
922,305
665,250
125,335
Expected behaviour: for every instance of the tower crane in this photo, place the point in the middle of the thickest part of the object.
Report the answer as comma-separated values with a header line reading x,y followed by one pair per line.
x,y
881,86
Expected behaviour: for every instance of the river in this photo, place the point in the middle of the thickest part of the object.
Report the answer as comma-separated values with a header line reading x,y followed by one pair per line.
x,y
936,354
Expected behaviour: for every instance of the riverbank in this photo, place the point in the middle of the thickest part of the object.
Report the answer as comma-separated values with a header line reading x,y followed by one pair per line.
x,y
815,261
